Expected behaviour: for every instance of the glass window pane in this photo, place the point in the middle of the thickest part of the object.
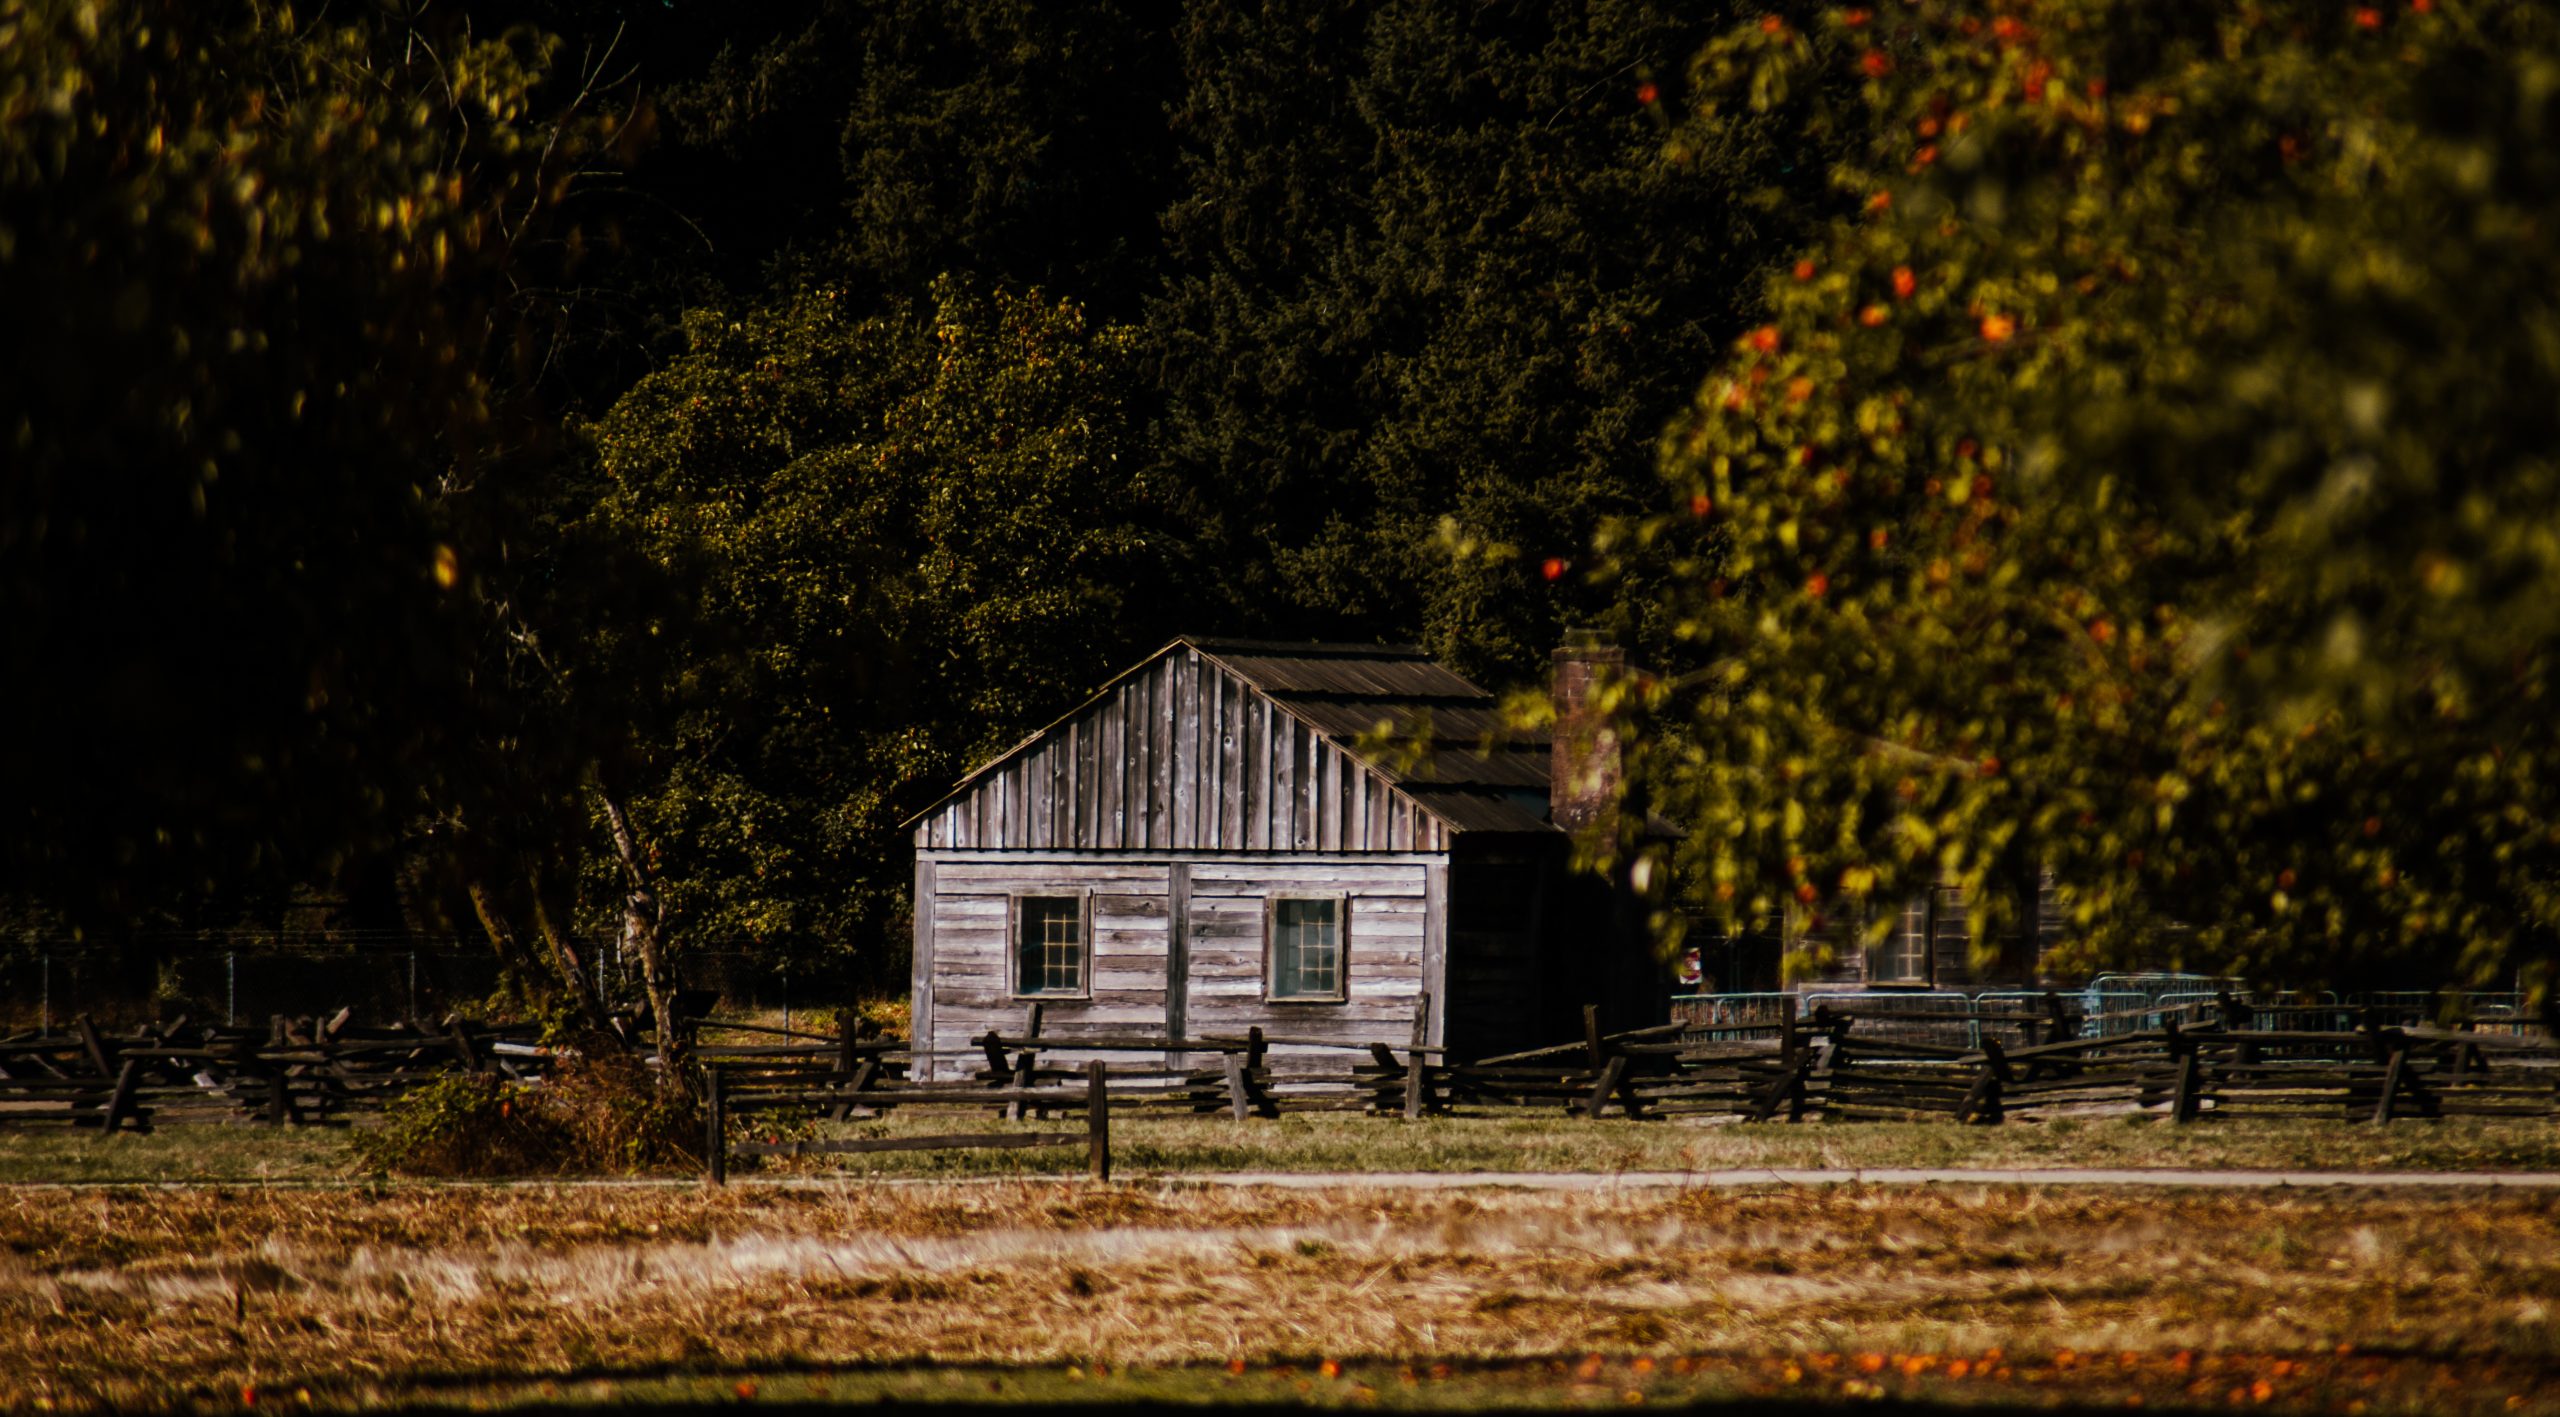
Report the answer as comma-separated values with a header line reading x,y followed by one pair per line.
x,y
1306,949
1050,947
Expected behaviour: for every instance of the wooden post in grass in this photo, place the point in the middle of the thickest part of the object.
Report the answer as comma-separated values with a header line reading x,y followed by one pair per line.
x,y
2182,1101
96,1047
848,1079
1024,1063
715,1127
1097,1121
279,1096
2238,1017
2398,1043
462,1049
1982,1103
1239,1100
120,1106
863,1074
1612,1073
1417,1081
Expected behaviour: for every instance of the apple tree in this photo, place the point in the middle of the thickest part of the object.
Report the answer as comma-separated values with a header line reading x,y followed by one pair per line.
x,y
2151,473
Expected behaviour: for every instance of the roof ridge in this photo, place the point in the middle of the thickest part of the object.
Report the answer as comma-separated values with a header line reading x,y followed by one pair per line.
x,y
1318,649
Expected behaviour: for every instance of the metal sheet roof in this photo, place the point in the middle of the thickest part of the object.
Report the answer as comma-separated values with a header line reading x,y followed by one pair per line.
x,y
1475,774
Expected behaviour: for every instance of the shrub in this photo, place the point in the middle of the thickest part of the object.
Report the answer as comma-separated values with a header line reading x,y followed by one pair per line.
x,y
589,1116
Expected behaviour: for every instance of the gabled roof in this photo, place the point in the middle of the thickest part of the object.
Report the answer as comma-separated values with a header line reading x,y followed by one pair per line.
x,y
1475,776
1478,775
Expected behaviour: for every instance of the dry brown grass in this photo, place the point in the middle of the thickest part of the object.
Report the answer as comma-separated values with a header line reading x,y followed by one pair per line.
x,y
182,1298
1527,1141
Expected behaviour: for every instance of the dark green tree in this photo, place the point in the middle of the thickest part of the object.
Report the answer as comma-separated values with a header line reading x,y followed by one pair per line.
x,y
1434,275
884,547
255,272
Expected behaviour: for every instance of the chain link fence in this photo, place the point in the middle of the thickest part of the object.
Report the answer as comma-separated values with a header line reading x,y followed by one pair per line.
x,y
43,984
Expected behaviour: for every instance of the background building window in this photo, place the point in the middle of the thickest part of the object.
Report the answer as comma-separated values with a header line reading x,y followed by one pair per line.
x,y
1904,955
1048,933
1306,948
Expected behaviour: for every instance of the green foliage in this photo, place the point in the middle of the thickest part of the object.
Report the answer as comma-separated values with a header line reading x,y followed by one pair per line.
x,y
897,542
1438,276
2153,481
870,145
602,1116
250,262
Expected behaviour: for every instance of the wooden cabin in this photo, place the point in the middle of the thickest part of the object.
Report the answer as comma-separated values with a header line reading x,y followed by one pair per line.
x,y
1211,843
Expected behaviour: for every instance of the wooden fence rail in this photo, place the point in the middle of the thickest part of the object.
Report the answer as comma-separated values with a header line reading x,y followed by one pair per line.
x,y
1825,1063
299,1071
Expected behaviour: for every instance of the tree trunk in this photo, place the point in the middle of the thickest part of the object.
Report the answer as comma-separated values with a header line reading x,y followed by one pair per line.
x,y
502,936
564,958
641,920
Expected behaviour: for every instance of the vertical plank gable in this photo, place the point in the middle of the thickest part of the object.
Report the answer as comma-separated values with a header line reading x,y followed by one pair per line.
x,y
1185,757
1182,777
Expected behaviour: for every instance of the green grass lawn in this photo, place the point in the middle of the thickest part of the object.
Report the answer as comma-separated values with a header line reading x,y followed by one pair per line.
x,y
1150,1145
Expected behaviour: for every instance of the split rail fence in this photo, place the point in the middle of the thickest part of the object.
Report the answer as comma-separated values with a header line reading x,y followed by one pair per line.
x,y
295,1071
1822,1063
1825,1064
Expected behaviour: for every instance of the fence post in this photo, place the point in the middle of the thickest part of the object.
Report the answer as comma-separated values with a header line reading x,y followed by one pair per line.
x,y
1612,1073
2238,1017
2182,1101
2399,1045
848,1079
1417,1082
1981,1102
1097,1120
231,987
120,1105
1239,1100
715,1128
1023,1063
44,1009
95,1046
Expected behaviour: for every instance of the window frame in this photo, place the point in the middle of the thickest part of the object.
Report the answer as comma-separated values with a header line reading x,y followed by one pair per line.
x,y
1341,902
1900,943
1013,944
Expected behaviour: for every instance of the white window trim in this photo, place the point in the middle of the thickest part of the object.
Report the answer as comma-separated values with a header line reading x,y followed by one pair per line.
x,y
1896,943
1013,942
1271,947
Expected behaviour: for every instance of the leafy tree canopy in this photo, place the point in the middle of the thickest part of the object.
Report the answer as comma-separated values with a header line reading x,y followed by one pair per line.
x,y
1437,277
252,265
2153,480
892,543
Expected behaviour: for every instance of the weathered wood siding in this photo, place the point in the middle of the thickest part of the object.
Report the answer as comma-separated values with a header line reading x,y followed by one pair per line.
x,y
1182,756
1204,910
1384,934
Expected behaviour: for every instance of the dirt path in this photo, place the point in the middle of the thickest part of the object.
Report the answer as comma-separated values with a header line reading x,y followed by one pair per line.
x,y
1595,1181
1883,1176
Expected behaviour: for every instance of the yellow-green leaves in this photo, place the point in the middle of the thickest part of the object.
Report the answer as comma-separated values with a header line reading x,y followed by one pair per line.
x,y
2129,307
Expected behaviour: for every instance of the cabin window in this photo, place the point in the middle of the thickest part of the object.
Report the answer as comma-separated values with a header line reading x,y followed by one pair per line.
x,y
1049,945
1306,948
1904,955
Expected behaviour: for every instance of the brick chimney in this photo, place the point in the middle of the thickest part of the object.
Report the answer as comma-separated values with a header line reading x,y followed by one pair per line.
x,y
1587,763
